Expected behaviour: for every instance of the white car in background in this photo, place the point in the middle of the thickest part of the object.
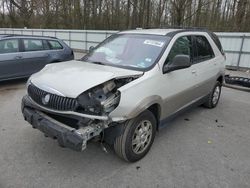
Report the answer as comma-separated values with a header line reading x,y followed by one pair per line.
x,y
126,88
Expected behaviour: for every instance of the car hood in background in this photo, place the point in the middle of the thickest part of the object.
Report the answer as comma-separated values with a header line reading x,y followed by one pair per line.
x,y
71,78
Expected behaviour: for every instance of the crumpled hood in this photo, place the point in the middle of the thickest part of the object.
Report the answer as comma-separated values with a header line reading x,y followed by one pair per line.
x,y
71,78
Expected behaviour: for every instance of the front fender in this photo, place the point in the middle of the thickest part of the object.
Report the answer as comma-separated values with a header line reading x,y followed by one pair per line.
x,y
122,113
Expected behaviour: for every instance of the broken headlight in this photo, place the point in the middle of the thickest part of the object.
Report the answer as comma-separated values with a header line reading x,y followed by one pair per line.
x,y
104,98
99,100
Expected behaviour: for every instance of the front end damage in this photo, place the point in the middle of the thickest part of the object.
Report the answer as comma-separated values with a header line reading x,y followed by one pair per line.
x,y
73,121
60,127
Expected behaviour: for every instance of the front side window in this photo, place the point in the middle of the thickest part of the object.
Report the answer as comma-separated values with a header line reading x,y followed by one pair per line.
x,y
182,46
203,49
54,45
9,46
33,45
132,51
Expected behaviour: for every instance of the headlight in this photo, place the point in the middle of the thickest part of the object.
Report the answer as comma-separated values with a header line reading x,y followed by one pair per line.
x,y
99,100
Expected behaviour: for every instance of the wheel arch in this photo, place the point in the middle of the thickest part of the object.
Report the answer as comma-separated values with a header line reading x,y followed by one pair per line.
x,y
220,79
155,109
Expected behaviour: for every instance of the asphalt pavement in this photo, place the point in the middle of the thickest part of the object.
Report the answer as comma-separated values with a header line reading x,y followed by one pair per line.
x,y
202,148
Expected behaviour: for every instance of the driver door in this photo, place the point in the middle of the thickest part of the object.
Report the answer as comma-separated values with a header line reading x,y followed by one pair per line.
x,y
179,85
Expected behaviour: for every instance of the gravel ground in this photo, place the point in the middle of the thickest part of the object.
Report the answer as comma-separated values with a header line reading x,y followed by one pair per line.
x,y
201,148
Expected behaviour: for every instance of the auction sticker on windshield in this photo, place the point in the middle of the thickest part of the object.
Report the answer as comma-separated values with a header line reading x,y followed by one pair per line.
x,y
154,43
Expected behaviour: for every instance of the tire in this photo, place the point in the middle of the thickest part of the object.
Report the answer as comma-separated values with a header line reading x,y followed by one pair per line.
x,y
142,131
214,96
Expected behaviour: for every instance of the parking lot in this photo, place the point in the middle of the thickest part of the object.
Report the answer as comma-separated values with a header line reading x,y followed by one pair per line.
x,y
201,148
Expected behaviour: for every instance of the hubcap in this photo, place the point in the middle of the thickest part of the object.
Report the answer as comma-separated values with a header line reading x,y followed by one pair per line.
x,y
142,136
216,95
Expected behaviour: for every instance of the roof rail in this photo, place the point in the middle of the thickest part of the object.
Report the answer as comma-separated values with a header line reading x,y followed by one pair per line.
x,y
179,27
20,35
189,28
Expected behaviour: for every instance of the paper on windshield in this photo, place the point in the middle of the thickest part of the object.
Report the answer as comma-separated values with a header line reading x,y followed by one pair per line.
x,y
154,43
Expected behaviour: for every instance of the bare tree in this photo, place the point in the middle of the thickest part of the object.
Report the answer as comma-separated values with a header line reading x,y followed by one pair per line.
x,y
25,10
218,15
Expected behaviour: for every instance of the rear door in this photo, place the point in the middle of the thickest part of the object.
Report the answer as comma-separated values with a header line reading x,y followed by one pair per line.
x,y
10,58
205,64
57,51
35,55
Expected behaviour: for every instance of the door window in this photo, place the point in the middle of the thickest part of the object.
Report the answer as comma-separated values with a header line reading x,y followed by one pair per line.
x,y
9,46
203,49
33,45
182,46
54,45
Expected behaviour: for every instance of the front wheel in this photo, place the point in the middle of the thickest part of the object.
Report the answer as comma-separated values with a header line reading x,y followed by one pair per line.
x,y
136,139
214,96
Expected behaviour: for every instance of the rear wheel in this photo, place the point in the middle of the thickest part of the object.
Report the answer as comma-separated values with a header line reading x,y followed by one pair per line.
x,y
214,96
136,139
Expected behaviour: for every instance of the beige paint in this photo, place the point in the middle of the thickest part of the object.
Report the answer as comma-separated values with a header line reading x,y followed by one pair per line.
x,y
172,91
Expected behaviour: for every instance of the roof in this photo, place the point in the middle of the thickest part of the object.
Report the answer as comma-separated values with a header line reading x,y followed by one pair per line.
x,y
151,31
163,31
2,35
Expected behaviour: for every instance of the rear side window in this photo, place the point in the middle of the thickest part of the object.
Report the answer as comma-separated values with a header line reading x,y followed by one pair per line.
x,y
54,45
217,42
204,50
182,46
9,46
33,45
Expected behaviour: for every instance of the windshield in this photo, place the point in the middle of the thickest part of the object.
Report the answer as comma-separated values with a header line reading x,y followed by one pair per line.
x,y
130,51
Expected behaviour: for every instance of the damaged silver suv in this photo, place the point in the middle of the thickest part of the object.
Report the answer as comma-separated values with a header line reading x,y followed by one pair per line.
x,y
126,88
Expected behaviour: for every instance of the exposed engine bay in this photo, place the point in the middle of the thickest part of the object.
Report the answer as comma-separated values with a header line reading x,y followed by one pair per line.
x,y
102,99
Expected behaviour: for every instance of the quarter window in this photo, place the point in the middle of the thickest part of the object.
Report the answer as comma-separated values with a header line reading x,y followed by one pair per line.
x,y
54,45
217,42
33,45
182,46
204,50
9,46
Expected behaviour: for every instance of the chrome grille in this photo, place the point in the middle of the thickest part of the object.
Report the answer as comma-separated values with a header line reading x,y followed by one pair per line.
x,y
53,101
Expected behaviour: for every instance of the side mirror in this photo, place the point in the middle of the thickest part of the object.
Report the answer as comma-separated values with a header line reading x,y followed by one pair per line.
x,y
179,62
91,48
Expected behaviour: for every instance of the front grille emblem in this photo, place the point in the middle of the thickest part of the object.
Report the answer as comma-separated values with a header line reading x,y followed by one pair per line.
x,y
45,99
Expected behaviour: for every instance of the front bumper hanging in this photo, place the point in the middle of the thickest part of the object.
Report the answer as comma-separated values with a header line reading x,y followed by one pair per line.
x,y
67,136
